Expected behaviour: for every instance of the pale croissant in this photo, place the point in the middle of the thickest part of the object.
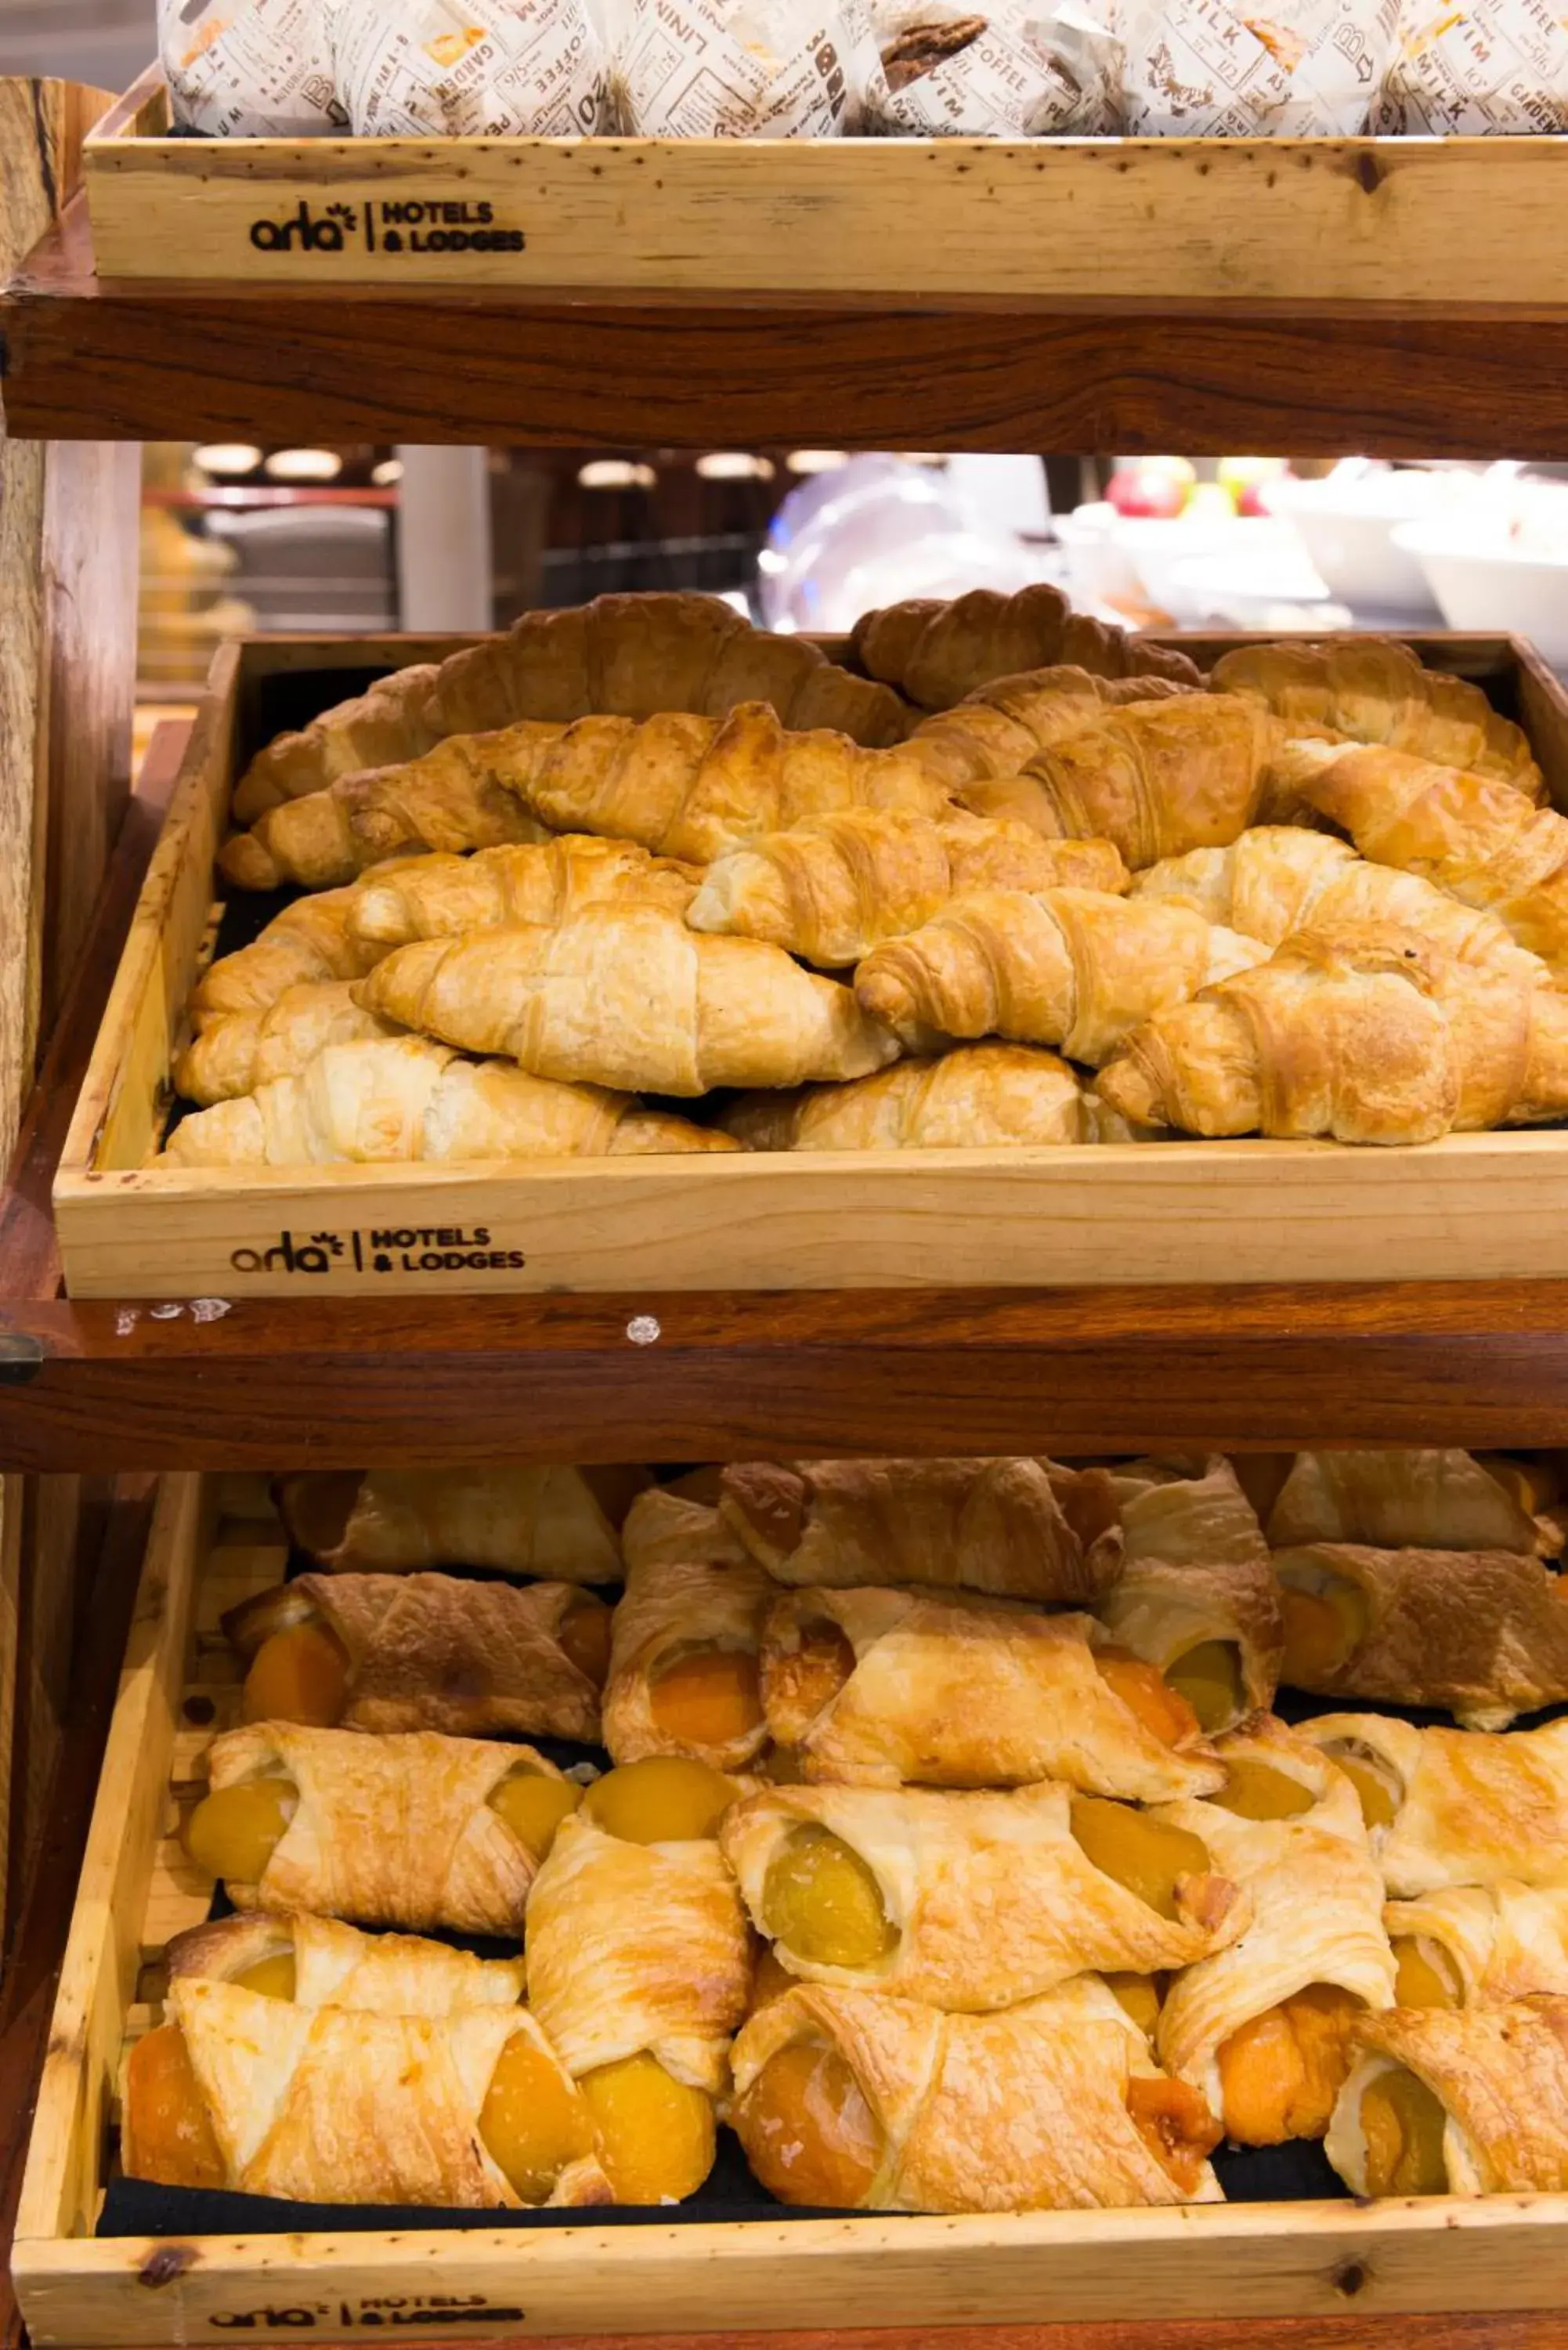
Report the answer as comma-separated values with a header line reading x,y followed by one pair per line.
x,y
541,881
234,1056
837,886
1000,727
980,1097
1366,1035
935,654
408,1098
309,940
1073,968
627,655
618,989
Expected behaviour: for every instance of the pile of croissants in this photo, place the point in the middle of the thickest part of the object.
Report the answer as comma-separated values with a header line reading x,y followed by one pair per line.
x,y
1023,880
951,1849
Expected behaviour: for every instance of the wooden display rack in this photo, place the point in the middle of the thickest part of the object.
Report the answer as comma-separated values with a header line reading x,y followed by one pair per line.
x,y
103,1385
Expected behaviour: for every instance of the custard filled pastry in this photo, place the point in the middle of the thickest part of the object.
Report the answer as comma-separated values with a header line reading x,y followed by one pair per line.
x,y
850,2100
1023,1528
1261,2028
1455,1806
976,1098
1483,1633
883,1689
540,881
387,1652
321,1962
418,1830
557,1524
1466,2103
684,1675
1413,1498
334,2105
970,1901
640,1973
1479,1946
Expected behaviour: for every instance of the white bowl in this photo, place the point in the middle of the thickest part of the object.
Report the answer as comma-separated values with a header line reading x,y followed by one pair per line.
x,y
1275,590
1349,526
1161,552
1483,579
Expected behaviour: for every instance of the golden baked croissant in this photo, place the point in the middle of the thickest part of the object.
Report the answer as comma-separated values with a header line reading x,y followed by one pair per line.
x,y
684,1675
837,886
407,1097
1483,1634
1073,968
1411,1497
1376,690
1468,2103
1024,1529
978,1097
935,654
849,2100
621,989
1278,877
1366,1034
630,656
1455,1806
1157,778
309,940
540,881
1478,1946
321,1962
387,1652
557,1524
235,1055
994,732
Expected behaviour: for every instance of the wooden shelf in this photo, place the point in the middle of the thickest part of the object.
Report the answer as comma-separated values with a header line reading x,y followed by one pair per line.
x,y
79,360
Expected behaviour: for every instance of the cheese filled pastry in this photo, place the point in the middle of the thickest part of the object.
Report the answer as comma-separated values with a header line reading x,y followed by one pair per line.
x,y
321,1962
558,1524
331,2105
1262,2027
1479,1946
1021,1528
847,2100
387,1652
889,1687
1455,1806
971,1901
684,1676
419,1831
1440,2102
640,1972
1411,1498
1483,1634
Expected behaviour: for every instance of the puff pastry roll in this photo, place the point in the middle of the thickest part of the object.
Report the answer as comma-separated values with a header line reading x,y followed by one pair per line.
x,y
1455,1806
936,653
1483,1634
321,1962
1474,2103
976,1098
418,1830
542,882
970,1901
883,1689
331,2105
1413,1498
552,1522
1480,1946
1023,1528
684,1676
233,1057
390,1652
667,1526
848,2099
1262,2027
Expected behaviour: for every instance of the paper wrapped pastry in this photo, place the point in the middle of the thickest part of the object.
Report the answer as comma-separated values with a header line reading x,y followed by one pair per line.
x,y
331,2105
1413,1498
1261,2028
970,1901
1019,71
848,2099
483,69
684,1677
390,1652
418,1830
1483,1634
1024,1528
744,69
1198,69
1492,66
1455,1806
1479,1946
976,1098
249,68
883,1688
321,1962
1468,2103
557,1524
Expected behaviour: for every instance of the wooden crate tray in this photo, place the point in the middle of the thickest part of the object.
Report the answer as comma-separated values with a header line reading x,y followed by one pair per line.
x,y
1417,221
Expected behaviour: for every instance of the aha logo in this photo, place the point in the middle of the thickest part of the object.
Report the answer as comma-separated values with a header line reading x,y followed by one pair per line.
x,y
304,233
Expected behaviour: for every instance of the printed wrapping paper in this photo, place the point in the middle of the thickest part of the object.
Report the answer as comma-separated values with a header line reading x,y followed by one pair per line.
x,y
1016,72
742,68
1492,65
249,68
1202,68
469,69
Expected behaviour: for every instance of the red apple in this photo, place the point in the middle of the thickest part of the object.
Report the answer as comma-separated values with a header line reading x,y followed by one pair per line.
x,y
1153,490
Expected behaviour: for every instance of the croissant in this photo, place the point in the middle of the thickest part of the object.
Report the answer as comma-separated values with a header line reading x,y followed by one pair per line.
x,y
1466,2103
1073,968
978,1098
309,940
543,881
235,1055
994,732
1277,879
631,656
558,1523
321,1962
935,654
1414,1497
619,990
837,886
684,1678
1376,690
1478,1946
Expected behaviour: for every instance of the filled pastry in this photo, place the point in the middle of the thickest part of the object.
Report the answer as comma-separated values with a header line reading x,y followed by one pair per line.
x,y
1473,2102
685,1675
335,2104
976,1098
669,1526
1455,1806
557,1524
1479,1946
544,882
935,652
884,1687
1024,1528
993,733
848,2099
235,1055
417,1830
969,1901
1411,1498
321,1962
390,1652
1482,1633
